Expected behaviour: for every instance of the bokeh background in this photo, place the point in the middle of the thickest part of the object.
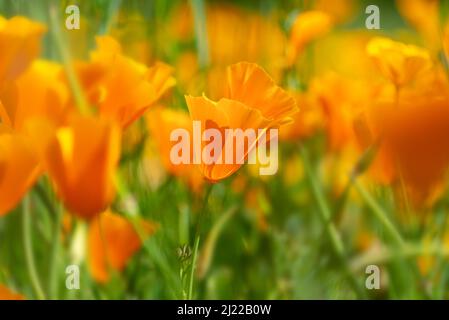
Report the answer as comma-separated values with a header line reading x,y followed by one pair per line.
x,y
362,167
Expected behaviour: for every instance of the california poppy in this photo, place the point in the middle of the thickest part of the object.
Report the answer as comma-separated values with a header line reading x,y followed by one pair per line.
x,y
121,88
81,158
398,62
415,139
38,93
252,101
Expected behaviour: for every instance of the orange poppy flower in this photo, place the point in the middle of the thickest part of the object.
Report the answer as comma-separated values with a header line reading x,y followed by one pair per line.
x,y
19,169
398,62
81,159
161,123
120,87
424,15
38,93
7,294
415,140
112,241
19,45
308,26
252,101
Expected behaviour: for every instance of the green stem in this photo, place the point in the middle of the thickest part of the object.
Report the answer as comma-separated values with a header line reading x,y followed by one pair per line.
x,y
199,13
193,267
80,99
29,257
112,8
380,214
329,227
53,276
197,241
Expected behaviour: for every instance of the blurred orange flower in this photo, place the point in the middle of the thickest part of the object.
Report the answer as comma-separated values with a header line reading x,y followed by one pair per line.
x,y
340,10
19,169
7,294
398,62
341,101
19,45
308,26
81,158
415,139
253,101
235,34
112,241
120,87
37,93
424,15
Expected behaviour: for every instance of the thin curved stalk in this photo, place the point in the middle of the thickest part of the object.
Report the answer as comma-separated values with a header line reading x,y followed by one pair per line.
x,y
29,257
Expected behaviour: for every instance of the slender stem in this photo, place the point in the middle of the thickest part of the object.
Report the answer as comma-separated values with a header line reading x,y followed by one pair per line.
x,y
193,267
197,241
29,257
80,99
199,12
112,8
324,210
380,214
53,276
329,227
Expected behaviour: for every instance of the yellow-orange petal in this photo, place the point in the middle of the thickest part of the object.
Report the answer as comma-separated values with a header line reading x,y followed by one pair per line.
x,y
398,62
122,88
251,85
19,45
160,75
308,26
37,93
19,169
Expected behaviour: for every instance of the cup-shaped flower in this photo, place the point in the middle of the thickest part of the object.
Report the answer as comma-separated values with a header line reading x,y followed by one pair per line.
x,y
81,159
38,93
120,87
253,104
398,62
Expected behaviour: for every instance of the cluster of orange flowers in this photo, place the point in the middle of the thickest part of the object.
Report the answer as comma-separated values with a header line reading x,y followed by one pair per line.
x,y
76,140
381,94
74,136
376,93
